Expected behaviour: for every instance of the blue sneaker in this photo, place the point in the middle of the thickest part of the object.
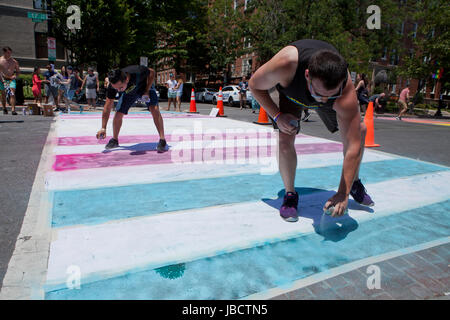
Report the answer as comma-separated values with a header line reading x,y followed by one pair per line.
x,y
359,193
288,210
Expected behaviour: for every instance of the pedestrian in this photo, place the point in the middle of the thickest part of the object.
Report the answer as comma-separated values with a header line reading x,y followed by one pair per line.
x,y
37,85
243,87
55,85
402,102
92,86
132,83
63,87
255,105
312,74
179,90
379,102
9,71
362,92
171,93
47,75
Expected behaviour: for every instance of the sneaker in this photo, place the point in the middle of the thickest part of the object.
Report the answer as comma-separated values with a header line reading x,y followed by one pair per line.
x,y
288,210
113,143
398,118
161,146
5,111
306,117
359,193
14,113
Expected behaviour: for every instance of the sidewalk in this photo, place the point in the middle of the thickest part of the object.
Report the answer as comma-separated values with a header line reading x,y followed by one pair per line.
x,y
423,275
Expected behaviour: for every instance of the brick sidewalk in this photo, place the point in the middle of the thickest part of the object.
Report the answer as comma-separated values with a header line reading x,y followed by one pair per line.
x,y
421,275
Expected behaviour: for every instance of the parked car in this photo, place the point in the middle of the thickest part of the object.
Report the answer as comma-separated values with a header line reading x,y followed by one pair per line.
x,y
205,94
230,95
162,90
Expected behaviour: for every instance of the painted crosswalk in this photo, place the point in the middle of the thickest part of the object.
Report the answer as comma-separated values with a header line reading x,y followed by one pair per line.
x,y
141,225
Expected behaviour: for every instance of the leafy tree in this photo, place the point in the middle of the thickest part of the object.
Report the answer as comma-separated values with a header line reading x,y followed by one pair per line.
x,y
432,43
106,34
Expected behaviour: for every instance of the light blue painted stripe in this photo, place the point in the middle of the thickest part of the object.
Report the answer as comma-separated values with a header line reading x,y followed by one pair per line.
x,y
246,272
97,206
322,276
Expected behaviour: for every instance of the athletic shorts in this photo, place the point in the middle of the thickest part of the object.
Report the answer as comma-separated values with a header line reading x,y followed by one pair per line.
x,y
326,114
12,84
91,93
402,104
126,100
172,95
179,94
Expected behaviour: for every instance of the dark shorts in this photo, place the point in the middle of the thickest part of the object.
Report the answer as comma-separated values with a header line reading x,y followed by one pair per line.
x,y
126,100
326,114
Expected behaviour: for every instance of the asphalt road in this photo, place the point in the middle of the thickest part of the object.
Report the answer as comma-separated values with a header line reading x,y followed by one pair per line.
x,y
23,138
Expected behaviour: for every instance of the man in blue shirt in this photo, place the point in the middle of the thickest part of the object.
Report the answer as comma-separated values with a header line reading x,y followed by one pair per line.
x,y
48,74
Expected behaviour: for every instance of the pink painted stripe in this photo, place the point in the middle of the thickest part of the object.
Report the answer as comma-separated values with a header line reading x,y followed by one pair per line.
x,y
88,140
135,116
146,155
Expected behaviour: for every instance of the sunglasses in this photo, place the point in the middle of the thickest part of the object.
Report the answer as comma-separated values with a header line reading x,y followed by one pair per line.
x,y
325,97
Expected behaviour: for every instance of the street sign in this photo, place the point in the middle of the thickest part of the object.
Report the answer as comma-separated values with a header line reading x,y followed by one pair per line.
x,y
37,17
144,61
51,43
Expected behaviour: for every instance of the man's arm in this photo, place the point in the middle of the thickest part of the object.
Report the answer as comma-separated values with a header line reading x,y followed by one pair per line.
x,y
17,69
82,84
280,69
150,79
101,134
349,121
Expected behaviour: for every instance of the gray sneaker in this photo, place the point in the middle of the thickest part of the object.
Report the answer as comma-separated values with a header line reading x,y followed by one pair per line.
x,y
113,143
162,144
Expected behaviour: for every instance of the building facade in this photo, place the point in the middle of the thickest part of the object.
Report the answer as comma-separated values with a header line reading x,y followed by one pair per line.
x,y
28,39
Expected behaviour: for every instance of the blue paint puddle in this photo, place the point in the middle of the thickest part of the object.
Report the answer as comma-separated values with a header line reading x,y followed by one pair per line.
x,y
96,206
241,273
173,271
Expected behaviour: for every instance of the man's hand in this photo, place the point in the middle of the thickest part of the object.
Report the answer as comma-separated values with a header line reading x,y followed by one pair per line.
x,y
101,134
284,123
340,202
146,98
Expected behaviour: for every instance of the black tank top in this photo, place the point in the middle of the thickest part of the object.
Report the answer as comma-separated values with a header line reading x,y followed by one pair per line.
x,y
297,90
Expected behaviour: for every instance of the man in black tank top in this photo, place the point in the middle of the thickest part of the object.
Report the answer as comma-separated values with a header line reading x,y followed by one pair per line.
x,y
312,74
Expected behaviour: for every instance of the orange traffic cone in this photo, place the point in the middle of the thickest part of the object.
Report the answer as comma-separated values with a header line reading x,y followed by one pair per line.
x,y
368,120
262,118
193,107
220,104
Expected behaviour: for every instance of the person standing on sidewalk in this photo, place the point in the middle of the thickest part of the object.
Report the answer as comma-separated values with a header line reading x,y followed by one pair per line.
x,y
243,87
179,90
402,102
171,93
37,88
362,92
132,83
47,75
92,86
9,71
312,74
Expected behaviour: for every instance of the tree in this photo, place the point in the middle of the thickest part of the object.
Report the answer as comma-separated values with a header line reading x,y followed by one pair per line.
x,y
432,44
106,34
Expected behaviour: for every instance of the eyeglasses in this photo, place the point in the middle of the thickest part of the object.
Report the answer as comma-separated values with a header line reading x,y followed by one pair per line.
x,y
324,97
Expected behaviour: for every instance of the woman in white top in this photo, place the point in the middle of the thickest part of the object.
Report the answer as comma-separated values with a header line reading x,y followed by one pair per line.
x,y
171,92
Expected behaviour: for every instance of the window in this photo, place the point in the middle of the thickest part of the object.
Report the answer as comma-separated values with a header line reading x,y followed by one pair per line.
x,y
246,67
384,57
247,42
235,4
40,4
415,30
402,28
394,57
434,87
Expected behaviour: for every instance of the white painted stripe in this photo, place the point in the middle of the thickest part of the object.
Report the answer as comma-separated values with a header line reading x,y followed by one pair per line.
x,y
114,248
75,128
322,276
127,175
186,144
